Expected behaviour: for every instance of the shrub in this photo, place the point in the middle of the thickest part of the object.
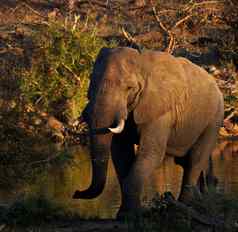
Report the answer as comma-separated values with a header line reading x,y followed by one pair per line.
x,y
59,74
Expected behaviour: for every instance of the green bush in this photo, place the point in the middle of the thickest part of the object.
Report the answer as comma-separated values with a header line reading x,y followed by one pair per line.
x,y
62,65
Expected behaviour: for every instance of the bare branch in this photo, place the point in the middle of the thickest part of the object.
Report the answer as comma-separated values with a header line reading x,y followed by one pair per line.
x,y
172,41
190,8
23,4
128,36
162,12
159,21
182,21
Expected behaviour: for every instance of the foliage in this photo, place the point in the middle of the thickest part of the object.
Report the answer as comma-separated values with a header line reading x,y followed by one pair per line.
x,y
66,54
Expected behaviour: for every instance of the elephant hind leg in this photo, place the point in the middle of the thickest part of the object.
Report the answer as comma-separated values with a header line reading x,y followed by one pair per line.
x,y
197,164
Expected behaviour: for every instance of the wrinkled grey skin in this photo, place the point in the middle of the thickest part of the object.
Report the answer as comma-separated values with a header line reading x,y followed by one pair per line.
x,y
171,107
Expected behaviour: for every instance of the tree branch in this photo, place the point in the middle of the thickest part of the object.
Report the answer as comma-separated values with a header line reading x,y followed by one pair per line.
x,y
172,41
181,21
23,4
128,36
197,4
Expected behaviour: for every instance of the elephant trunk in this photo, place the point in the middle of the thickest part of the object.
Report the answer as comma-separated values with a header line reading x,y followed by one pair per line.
x,y
104,120
100,150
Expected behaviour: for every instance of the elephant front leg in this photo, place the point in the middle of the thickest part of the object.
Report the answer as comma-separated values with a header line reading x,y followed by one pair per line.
x,y
123,156
150,155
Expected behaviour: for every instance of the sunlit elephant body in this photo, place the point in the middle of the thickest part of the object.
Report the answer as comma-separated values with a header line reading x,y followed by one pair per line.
x,y
166,105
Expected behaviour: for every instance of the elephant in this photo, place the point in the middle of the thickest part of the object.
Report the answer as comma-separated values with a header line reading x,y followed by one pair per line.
x,y
166,105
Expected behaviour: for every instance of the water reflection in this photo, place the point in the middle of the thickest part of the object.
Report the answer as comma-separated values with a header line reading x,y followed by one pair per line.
x,y
225,163
62,179
59,182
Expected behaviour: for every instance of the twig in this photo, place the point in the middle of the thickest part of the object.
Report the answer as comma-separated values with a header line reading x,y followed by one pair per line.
x,y
76,77
159,21
128,36
22,4
172,36
162,12
182,21
170,33
172,41
190,8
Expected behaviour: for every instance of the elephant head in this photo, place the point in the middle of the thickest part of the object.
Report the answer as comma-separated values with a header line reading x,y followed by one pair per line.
x,y
115,88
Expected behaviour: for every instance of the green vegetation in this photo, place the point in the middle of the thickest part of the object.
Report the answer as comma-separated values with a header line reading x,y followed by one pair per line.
x,y
45,74
61,72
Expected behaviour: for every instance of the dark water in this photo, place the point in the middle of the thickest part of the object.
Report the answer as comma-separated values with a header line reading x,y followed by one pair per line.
x,y
60,182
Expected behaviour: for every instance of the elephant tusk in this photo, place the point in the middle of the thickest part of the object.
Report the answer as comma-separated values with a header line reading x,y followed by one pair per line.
x,y
119,128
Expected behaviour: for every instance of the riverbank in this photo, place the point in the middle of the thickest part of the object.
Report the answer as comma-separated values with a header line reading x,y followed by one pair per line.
x,y
214,212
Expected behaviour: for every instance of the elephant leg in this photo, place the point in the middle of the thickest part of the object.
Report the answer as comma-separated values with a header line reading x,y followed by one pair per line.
x,y
123,156
197,163
150,155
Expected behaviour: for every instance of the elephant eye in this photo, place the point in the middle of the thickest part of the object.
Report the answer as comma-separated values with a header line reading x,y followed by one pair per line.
x,y
129,87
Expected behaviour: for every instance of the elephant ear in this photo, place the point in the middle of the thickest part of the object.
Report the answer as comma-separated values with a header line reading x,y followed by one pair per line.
x,y
98,70
153,101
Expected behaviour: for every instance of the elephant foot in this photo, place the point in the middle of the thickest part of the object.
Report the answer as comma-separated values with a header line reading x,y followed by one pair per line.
x,y
76,195
126,213
125,216
189,193
122,215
